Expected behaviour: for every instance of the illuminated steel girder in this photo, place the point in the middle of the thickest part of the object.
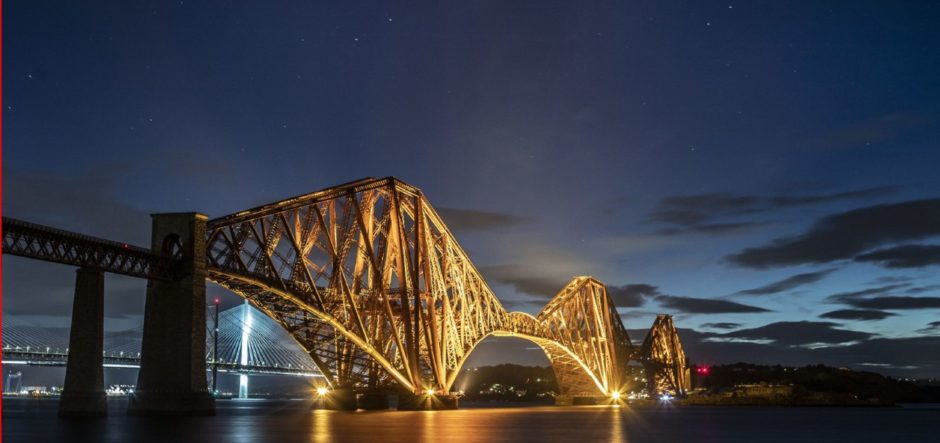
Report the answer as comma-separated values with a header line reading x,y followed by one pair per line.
x,y
664,360
366,277
372,284
583,337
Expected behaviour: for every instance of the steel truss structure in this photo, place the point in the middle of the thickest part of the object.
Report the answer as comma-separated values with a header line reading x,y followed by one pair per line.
x,y
40,242
369,280
664,360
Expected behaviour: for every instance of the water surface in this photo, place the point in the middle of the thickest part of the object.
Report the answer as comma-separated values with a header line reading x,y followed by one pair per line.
x,y
30,421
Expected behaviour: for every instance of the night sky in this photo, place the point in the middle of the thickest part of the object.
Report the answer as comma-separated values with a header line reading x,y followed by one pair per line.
x,y
765,171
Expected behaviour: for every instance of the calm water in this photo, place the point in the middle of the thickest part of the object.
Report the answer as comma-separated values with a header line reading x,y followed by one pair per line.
x,y
293,421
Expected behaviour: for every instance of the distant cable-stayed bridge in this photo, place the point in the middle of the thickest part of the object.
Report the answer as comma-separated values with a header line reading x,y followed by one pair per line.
x,y
267,350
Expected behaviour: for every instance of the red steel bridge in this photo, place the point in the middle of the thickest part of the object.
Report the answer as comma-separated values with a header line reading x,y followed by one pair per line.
x,y
370,282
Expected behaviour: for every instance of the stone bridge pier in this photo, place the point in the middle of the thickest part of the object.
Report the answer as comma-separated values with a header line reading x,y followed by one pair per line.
x,y
83,394
172,377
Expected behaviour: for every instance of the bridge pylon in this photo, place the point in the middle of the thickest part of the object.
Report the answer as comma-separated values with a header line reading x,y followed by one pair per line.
x,y
663,359
172,377
83,394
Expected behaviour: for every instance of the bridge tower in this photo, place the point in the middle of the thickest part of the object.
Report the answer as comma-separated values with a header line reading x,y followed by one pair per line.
x,y
243,355
83,394
172,377
664,362
11,386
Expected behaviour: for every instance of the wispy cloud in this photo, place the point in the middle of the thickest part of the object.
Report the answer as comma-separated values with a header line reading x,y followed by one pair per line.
x,y
693,305
857,314
788,283
847,234
474,220
906,256
699,209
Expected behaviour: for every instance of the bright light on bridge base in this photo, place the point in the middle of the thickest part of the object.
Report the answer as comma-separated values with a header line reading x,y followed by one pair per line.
x,y
321,391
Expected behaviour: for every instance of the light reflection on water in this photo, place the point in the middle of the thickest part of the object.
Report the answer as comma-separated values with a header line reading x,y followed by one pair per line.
x,y
294,421
321,426
616,425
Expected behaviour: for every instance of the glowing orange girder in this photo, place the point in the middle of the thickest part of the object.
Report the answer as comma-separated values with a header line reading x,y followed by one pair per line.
x,y
373,285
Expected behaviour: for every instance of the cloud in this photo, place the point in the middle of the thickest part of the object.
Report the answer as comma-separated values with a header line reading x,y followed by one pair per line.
x,y
514,304
705,306
887,289
932,328
907,256
710,229
721,325
799,333
695,210
857,314
788,283
922,289
890,279
634,314
844,235
882,298
473,220
87,204
631,296
523,280
894,302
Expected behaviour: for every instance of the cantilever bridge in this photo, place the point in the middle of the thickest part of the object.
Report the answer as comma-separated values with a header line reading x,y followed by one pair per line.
x,y
367,278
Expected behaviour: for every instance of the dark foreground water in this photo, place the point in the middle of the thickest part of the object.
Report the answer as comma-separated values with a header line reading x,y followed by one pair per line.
x,y
34,421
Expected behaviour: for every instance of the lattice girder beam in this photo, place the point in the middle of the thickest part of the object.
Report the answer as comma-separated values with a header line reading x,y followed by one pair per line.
x,y
374,261
45,243
664,359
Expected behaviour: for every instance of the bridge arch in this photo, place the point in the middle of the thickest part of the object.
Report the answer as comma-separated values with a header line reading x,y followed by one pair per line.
x,y
284,307
571,373
371,269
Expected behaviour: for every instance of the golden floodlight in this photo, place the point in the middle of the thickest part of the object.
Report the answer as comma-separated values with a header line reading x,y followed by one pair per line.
x,y
430,392
322,391
615,395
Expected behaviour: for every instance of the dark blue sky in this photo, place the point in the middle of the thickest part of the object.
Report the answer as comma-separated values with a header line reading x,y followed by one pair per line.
x,y
766,171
